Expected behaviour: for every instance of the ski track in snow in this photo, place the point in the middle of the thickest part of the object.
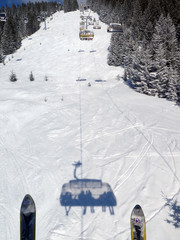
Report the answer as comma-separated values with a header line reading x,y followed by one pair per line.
x,y
128,140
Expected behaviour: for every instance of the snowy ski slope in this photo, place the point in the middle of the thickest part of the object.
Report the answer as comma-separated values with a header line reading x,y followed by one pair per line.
x,y
126,139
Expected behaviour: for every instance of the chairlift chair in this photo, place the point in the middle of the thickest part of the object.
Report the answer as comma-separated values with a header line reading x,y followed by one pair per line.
x,y
114,27
86,35
3,17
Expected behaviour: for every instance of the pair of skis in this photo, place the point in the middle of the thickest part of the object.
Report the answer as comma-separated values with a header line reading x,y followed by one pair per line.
x,y
28,221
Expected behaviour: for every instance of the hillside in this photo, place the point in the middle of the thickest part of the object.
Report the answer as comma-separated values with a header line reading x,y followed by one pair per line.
x,y
129,140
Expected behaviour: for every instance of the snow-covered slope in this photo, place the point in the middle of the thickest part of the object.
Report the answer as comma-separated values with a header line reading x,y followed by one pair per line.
x,y
128,140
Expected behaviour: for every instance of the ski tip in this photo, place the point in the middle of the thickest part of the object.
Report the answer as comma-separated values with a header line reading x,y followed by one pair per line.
x,y
137,207
137,210
27,198
28,205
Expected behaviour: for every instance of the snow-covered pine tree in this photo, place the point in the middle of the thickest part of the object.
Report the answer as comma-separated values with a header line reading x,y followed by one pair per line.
x,y
117,12
70,5
106,14
152,11
13,77
12,31
9,37
127,52
136,22
31,77
143,72
147,29
137,72
126,12
172,93
164,47
178,91
115,56
178,31
1,56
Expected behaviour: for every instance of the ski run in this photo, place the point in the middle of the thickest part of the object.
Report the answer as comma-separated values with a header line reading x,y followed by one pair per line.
x,y
78,109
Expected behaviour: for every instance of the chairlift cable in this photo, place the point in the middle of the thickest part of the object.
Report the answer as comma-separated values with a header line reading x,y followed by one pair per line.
x,y
80,129
80,113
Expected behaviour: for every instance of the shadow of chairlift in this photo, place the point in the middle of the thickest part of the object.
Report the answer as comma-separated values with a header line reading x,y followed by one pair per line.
x,y
87,193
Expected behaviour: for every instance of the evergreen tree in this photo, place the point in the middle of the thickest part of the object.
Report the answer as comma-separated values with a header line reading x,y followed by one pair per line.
x,y
31,77
13,77
164,48
172,93
9,38
143,71
136,28
70,5
115,56
147,29
128,51
14,30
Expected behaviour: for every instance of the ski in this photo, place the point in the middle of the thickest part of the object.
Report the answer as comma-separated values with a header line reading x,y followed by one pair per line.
x,y
28,219
138,224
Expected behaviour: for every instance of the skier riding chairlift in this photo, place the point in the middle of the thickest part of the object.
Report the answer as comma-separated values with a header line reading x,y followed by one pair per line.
x,y
3,17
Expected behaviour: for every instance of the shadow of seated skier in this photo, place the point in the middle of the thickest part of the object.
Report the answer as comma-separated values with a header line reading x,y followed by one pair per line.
x,y
106,200
90,201
82,200
67,201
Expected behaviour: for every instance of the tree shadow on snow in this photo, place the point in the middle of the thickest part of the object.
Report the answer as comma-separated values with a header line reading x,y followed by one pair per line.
x,y
174,212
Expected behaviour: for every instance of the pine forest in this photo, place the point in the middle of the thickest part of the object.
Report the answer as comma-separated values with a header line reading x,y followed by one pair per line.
x,y
148,48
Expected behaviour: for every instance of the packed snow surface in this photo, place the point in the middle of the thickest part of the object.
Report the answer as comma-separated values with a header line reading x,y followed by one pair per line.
x,y
128,140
